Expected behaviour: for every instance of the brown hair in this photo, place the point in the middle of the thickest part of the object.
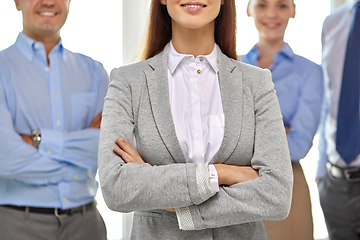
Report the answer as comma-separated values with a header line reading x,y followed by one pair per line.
x,y
159,30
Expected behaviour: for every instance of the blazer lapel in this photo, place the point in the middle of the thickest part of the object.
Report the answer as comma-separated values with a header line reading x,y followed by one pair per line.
x,y
231,94
157,82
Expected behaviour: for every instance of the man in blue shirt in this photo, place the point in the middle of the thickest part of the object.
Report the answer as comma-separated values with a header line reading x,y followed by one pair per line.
x,y
50,106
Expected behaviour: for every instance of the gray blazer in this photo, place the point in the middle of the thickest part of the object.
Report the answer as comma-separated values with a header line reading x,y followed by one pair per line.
x,y
137,108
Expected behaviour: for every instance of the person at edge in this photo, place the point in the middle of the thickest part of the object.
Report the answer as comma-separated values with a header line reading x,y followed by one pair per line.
x,y
298,84
338,173
191,139
50,106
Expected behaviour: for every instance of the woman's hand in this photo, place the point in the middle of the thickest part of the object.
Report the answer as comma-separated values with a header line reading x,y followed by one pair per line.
x,y
231,174
124,149
169,209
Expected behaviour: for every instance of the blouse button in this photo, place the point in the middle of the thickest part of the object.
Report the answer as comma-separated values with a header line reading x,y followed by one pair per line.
x,y
198,71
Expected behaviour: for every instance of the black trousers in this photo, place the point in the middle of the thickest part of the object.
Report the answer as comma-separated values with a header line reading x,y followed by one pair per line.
x,y
340,201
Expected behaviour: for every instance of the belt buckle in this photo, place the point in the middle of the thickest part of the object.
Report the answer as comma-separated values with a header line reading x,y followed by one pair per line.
x,y
56,212
347,173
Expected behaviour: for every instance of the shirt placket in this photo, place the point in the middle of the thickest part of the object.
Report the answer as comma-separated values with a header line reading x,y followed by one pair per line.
x,y
57,113
196,120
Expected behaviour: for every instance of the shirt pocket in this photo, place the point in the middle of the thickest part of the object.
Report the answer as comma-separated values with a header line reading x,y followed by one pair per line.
x,y
82,105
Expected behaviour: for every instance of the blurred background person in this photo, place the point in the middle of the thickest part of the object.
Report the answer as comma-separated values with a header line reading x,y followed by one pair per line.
x,y
50,106
338,173
298,84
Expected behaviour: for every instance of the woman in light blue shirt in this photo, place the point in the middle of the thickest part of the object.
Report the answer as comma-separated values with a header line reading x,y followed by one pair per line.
x,y
298,85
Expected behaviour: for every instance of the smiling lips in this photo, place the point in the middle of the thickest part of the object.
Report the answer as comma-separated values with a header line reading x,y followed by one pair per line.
x,y
47,14
193,7
271,25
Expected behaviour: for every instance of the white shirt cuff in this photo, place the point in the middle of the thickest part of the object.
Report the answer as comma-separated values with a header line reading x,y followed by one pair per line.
x,y
214,179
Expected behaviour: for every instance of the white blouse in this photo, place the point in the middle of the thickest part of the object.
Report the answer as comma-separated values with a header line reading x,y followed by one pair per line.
x,y
196,106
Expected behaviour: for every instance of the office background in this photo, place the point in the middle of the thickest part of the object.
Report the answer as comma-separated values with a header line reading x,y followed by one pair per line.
x,y
111,31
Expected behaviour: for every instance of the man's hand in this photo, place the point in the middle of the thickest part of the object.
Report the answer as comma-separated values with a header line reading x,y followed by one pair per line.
x,y
95,123
28,139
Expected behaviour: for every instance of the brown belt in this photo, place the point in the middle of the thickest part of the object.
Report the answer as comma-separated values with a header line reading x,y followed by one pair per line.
x,y
351,174
57,212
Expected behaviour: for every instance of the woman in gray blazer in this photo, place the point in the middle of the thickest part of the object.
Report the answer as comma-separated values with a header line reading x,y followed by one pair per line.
x,y
191,139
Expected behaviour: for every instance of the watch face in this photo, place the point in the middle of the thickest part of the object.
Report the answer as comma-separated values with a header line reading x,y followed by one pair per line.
x,y
36,137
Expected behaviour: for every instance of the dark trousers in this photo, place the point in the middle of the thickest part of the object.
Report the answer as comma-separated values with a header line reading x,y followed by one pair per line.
x,y
340,201
85,225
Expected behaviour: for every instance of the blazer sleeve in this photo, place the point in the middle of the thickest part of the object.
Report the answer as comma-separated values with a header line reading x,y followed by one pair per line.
x,y
265,198
128,187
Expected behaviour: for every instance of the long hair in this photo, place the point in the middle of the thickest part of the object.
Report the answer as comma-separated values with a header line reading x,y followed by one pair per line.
x,y
159,30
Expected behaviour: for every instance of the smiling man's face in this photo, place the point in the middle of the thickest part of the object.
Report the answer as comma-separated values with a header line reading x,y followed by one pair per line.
x,y
43,18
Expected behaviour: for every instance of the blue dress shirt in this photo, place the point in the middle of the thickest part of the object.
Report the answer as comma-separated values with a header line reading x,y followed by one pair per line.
x,y
61,99
335,34
299,87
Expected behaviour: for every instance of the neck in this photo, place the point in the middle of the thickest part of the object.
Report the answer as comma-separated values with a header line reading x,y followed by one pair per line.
x,y
49,41
267,51
193,41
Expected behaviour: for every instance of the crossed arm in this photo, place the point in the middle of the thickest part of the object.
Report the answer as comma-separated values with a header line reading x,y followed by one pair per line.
x,y
95,123
228,174
34,165
128,182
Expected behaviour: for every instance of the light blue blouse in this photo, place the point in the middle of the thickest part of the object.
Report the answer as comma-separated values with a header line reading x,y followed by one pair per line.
x,y
299,87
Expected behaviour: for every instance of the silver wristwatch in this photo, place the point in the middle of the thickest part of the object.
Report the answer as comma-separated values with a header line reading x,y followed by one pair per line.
x,y
36,137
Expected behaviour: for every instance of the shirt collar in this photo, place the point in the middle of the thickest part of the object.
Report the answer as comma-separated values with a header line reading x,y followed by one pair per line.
x,y
352,4
253,55
29,46
174,58
285,51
